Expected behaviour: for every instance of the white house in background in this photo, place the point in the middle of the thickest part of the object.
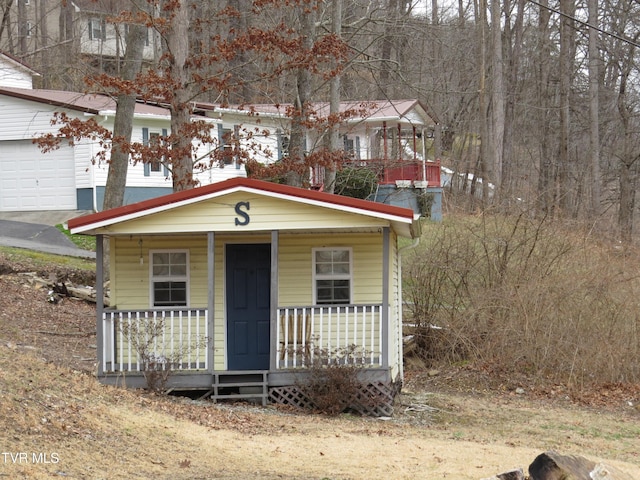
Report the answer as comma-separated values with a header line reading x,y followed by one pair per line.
x,y
390,137
67,178
15,73
101,38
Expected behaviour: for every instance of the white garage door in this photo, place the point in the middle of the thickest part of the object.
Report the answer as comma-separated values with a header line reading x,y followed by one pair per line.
x,y
32,180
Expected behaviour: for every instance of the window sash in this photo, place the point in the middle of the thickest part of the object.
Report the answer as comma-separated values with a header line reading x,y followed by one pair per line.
x,y
169,278
97,29
332,270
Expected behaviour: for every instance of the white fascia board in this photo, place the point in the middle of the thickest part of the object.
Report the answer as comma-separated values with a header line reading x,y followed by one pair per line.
x,y
249,114
384,119
112,113
162,208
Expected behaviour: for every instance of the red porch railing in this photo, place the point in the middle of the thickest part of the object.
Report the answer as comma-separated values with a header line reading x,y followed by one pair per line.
x,y
412,171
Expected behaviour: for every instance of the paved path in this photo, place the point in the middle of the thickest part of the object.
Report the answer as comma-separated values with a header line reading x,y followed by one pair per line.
x,y
39,237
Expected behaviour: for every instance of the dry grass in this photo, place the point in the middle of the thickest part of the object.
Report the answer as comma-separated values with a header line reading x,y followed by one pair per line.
x,y
528,296
462,423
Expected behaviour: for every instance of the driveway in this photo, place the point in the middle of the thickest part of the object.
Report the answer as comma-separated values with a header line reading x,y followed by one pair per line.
x,y
43,237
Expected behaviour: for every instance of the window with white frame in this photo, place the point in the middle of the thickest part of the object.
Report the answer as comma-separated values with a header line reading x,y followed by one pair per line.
x,y
332,275
169,278
154,141
97,29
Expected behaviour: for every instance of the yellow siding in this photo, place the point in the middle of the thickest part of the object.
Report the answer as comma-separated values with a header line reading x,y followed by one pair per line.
x,y
130,278
296,265
266,213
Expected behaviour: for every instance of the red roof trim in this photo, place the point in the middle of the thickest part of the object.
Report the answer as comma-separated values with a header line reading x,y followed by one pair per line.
x,y
241,182
34,96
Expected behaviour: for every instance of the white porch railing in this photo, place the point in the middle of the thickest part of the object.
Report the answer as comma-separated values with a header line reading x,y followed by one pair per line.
x,y
135,340
349,334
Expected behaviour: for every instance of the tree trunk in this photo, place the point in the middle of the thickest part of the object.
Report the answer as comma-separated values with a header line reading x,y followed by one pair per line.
x,y
178,45
485,142
22,29
547,176
513,60
565,184
334,105
123,122
4,24
298,140
628,158
594,107
497,97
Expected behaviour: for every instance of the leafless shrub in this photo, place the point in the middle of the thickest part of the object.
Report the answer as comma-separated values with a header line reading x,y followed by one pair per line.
x,y
332,384
158,357
525,295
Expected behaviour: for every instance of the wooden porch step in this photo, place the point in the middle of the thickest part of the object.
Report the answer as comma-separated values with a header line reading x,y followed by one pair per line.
x,y
240,384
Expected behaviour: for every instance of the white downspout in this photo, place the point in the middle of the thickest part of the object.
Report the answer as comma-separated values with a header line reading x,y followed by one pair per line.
x,y
424,159
416,242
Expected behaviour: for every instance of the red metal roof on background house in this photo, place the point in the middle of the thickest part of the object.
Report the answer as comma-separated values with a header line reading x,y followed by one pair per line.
x,y
192,194
372,110
83,102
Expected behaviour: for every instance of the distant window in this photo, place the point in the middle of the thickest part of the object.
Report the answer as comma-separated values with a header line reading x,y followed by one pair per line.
x,y
97,29
155,165
169,278
348,144
27,2
332,275
28,28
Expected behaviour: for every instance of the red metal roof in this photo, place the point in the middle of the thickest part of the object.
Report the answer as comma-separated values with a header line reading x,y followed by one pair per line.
x,y
375,109
83,102
138,209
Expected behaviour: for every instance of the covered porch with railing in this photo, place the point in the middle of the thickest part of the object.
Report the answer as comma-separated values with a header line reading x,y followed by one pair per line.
x,y
181,340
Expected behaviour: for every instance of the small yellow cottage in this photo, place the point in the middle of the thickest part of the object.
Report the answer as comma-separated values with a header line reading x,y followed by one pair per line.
x,y
232,285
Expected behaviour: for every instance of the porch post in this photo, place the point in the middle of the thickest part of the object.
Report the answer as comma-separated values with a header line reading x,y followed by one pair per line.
x,y
384,315
273,331
211,243
385,155
100,302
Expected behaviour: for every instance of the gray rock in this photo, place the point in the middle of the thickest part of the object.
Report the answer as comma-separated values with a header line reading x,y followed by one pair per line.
x,y
553,466
511,475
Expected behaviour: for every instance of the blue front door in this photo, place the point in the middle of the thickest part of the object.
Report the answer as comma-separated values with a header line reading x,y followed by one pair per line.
x,y
248,293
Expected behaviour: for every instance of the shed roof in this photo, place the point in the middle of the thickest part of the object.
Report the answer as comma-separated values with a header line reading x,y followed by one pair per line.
x,y
403,220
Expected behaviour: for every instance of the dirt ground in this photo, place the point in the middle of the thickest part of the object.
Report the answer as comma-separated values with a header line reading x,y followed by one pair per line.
x,y
458,423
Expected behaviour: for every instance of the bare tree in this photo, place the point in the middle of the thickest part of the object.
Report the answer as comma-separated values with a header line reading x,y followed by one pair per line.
x,y
123,123
334,103
594,108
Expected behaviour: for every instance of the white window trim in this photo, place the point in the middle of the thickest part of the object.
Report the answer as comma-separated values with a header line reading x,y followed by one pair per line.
x,y
169,278
154,137
101,27
332,276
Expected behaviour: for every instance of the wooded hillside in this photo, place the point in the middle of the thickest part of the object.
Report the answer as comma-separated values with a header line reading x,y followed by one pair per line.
x,y
540,98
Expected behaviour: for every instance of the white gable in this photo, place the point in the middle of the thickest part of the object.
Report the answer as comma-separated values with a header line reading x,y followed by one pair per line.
x,y
13,74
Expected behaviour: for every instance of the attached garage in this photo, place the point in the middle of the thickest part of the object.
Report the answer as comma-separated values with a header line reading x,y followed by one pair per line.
x,y
32,180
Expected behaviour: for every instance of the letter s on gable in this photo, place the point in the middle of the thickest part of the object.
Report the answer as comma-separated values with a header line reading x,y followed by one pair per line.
x,y
242,213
